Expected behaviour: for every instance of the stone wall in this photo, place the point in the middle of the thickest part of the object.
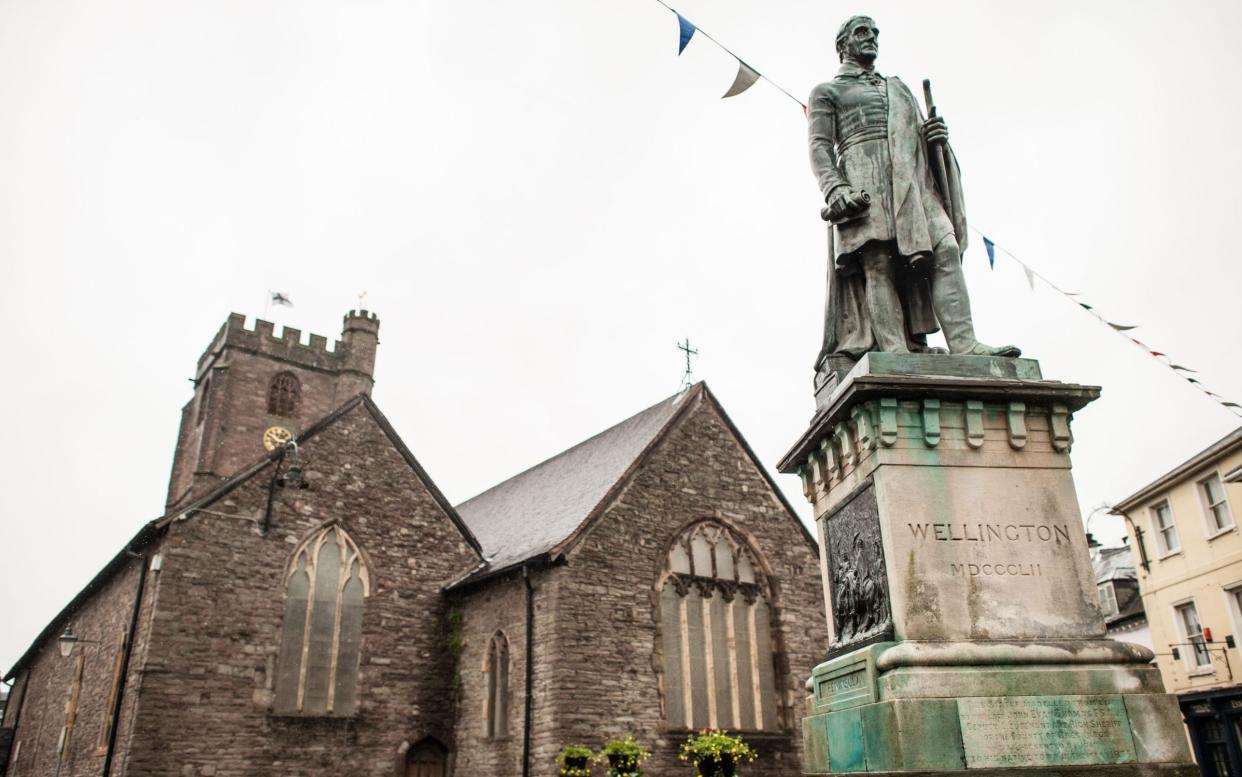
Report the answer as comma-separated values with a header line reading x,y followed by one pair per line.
x,y
499,605
208,679
47,685
607,642
202,673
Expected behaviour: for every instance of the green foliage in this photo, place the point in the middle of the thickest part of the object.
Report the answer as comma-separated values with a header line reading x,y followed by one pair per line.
x,y
712,744
627,747
625,757
456,639
456,643
574,752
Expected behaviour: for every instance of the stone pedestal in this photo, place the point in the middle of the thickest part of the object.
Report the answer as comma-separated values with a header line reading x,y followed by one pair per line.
x,y
966,634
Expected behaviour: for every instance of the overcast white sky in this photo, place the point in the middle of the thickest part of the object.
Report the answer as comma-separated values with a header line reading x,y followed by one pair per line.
x,y
540,199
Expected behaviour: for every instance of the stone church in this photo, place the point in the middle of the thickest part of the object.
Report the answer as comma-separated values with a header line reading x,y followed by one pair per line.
x,y
311,604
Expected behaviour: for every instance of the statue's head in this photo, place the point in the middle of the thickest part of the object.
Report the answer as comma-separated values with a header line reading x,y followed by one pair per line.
x,y
858,40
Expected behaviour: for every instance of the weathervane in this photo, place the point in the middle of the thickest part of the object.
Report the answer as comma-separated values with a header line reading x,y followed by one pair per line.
x,y
687,380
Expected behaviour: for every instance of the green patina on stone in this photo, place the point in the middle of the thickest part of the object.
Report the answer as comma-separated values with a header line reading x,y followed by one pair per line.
x,y
950,366
815,744
845,741
882,742
929,733
846,681
1045,730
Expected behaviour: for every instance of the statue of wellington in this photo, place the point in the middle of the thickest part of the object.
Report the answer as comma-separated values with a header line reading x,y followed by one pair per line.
x,y
895,275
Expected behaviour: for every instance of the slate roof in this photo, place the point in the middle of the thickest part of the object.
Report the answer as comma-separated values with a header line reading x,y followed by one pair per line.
x,y
1113,564
531,513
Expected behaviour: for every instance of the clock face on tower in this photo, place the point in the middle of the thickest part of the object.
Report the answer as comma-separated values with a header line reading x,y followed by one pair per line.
x,y
276,436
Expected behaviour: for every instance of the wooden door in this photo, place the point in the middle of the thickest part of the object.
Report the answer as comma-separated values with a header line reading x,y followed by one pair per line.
x,y
426,759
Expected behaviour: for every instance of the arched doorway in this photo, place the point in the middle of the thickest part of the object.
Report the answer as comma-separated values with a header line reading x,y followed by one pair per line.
x,y
427,758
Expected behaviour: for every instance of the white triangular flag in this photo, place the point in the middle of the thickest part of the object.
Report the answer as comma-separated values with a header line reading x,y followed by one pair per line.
x,y
746,78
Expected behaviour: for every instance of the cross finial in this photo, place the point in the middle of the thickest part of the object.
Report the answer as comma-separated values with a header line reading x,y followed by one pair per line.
x,y
687,380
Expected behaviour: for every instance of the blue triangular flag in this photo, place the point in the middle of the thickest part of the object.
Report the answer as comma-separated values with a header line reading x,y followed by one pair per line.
x,y
687,32
991,247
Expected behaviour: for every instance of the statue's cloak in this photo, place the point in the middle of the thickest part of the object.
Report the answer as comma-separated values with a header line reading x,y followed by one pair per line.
x,y
920,222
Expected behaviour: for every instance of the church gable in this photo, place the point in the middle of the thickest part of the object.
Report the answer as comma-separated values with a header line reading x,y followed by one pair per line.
x,y
357,436
703,576
299,613
702,452
532,514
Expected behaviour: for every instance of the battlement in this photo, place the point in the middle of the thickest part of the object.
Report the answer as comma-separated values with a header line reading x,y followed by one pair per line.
x,y
288,346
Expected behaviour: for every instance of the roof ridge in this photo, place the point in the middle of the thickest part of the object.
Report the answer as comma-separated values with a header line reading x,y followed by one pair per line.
x,y
578,445
605,501
532,513
1221,447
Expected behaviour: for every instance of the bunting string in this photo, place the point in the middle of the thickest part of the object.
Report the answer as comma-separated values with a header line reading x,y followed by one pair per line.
x,y
747,76
1180,370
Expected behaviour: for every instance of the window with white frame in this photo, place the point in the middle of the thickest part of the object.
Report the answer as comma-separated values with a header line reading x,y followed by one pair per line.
x,y
1214,502
1162,517
1233,601
1108,599
1192,631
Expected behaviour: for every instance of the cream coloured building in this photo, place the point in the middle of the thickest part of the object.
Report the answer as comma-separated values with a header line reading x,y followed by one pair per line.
x,y
1184,529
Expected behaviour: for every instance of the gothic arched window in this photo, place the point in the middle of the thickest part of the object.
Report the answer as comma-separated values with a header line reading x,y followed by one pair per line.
x,y
283,394
317,669
716,622
496,670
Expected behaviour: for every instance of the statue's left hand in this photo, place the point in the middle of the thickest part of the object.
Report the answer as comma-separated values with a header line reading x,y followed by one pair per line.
x,y
935,132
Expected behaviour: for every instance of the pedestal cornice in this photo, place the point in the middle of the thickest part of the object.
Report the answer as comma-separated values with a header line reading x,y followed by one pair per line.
x,y
964,379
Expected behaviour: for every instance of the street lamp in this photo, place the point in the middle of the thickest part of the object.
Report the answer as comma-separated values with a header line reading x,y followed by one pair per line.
x,y
68,639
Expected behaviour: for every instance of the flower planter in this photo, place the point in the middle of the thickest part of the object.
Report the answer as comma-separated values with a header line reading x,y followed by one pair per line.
x,y
724,766
577,762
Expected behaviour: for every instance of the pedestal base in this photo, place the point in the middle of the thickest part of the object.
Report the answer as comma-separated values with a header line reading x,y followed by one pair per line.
x,y
1129,770
949,527
887,710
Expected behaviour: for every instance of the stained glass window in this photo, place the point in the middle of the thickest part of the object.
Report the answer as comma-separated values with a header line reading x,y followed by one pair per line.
x,y
317,669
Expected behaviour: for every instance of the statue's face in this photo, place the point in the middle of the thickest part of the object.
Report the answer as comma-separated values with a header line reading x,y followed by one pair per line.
x,y
862,43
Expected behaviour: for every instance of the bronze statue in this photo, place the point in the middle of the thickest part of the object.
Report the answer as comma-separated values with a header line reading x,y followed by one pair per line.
x,y
898,230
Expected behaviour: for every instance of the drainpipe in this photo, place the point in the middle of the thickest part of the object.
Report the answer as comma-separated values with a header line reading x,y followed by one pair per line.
x,y
129,651
530,669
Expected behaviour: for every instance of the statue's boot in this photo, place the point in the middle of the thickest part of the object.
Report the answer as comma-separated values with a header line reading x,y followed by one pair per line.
x,y
952,306
980,349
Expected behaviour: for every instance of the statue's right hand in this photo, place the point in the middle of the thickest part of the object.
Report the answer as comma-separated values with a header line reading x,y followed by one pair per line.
x,y
846,202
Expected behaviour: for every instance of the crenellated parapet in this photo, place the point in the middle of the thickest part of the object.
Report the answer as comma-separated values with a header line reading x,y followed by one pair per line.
x,y
315,351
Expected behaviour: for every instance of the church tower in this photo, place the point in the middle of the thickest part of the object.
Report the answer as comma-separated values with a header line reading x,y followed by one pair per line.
x,y
253,391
